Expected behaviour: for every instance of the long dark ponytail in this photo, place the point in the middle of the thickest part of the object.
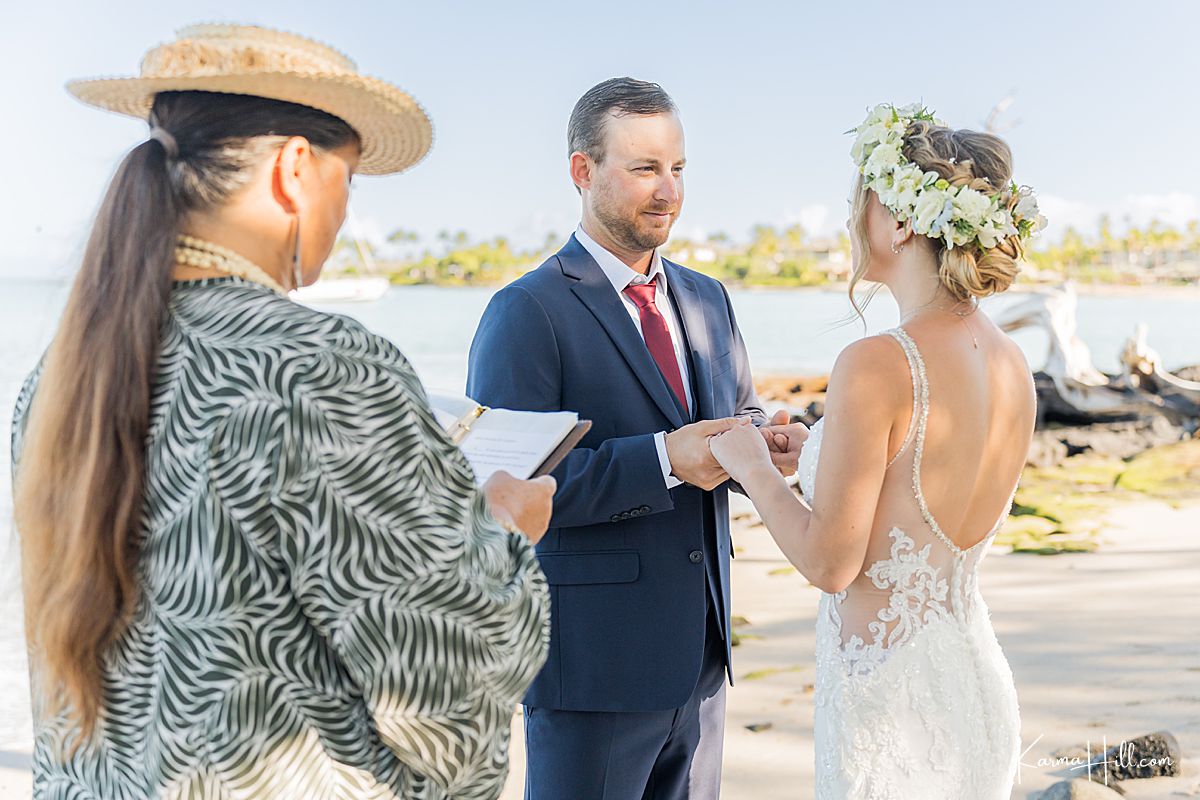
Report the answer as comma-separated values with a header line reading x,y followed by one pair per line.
x,y
79,482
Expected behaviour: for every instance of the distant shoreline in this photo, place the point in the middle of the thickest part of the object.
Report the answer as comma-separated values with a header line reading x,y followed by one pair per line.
x,y
1082,289
1089,289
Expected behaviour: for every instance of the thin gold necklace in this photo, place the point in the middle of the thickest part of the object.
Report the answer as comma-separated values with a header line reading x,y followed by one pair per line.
x,y
193,252
962,317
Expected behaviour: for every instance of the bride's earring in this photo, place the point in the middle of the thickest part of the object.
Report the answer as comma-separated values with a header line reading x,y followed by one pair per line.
x,y
297,272
895,250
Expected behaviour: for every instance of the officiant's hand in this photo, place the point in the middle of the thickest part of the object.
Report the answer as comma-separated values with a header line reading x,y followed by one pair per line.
x,y
784,440
742,451
524,504
691,460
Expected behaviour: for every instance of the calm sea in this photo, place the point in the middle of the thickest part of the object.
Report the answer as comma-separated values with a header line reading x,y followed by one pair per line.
x,y
786,331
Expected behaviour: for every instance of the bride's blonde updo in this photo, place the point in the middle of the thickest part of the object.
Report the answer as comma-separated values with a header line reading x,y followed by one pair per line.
x,y
980,161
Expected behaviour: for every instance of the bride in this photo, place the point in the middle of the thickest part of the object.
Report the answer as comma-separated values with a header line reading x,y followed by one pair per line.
x,y
910,474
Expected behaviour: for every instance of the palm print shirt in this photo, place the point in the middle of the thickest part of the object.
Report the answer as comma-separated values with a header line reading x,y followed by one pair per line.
x,y
327,609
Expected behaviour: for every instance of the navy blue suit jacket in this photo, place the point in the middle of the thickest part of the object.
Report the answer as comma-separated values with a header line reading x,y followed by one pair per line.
x,y
625,557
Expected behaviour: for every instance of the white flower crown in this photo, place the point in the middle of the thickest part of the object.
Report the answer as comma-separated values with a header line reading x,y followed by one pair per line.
x,y
956,214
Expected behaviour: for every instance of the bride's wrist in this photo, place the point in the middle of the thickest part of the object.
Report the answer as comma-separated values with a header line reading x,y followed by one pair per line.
x,y
758,474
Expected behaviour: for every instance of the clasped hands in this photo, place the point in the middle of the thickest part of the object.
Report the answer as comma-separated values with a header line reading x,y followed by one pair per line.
x,y
693,460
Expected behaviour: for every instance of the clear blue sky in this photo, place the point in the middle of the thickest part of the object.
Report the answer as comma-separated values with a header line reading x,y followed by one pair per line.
x,y
1106,103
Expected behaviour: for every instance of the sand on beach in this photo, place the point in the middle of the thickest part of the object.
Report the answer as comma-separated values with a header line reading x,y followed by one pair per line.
x,y
1103,647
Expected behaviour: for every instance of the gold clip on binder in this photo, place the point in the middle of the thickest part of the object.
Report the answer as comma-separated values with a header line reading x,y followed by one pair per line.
x,y
456,414
462,426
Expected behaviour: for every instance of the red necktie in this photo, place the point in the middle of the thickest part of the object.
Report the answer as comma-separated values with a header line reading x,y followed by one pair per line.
x,y
658,338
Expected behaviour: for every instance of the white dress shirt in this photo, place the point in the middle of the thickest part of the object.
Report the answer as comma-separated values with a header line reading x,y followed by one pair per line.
x,y
621,275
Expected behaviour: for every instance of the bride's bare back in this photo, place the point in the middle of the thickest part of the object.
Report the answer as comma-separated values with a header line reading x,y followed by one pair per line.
x,y
981,415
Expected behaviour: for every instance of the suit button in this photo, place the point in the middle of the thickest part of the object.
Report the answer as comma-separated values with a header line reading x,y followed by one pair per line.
x,y
615,518
626,515
695,556
644,509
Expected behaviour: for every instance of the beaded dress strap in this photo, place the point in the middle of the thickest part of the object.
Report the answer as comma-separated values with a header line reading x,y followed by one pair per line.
x,y
912,420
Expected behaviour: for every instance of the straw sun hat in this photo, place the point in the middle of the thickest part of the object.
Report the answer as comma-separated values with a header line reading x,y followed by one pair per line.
x,y
242,59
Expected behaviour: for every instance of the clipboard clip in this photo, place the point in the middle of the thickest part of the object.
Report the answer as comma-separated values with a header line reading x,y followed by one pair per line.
x,y
463,426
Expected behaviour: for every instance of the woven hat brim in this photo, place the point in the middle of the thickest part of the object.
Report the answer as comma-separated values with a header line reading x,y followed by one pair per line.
x,y
395,131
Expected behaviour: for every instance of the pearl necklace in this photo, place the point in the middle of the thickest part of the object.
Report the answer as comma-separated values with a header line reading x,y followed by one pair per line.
x,y
193,252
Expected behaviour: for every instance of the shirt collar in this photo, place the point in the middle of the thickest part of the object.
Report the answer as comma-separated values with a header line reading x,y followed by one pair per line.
x,y
618,272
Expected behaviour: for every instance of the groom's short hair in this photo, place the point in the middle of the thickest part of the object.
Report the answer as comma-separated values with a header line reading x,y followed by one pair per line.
x,y
619,96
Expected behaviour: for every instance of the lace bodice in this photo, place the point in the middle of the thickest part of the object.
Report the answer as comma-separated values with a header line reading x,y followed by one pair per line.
x,y
914,696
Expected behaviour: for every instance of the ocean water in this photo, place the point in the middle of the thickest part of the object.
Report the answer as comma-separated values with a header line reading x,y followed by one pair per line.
x,y
786,332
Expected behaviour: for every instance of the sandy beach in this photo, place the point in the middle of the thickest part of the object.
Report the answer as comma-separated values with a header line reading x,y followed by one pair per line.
x,y
1103,647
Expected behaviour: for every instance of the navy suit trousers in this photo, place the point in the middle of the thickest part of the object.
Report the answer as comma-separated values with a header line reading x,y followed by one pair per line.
x,y
633,755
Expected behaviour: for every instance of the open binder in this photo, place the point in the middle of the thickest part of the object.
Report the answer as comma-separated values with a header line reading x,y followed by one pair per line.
x,y
525,444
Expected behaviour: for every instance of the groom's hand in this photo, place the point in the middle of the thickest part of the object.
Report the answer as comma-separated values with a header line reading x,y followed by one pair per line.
x,y
784,441
691,460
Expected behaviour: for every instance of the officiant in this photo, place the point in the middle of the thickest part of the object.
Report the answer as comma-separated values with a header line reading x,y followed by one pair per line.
x,y
253,563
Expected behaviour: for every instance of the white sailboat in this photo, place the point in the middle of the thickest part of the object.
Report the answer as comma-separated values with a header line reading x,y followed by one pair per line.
x,y
346,288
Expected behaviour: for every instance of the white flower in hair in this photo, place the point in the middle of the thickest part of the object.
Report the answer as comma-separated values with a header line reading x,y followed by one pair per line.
x,y
972,206
908,180
987,235
867,138
911,111
883,159
1027,210
960,216
941,223
930,204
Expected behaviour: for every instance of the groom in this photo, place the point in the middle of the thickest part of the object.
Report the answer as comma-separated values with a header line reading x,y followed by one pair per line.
x,y
631,703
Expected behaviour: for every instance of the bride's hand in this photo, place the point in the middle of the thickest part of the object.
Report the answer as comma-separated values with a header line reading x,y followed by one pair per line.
x,y
741,450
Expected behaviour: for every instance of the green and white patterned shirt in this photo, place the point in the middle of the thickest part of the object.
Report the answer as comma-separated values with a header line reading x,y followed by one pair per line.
x,y
327,608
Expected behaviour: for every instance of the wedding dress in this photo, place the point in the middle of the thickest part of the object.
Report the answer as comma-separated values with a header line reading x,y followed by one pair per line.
x,y
914,699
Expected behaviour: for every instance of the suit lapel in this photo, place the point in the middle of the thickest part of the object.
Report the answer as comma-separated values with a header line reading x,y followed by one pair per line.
x,y
691,313
594,291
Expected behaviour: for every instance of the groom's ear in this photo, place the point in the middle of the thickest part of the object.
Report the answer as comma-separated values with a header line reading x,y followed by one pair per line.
x,y
581,170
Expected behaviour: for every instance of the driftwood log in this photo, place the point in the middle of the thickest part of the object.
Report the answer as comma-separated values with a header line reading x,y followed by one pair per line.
x,y
1072,391
1080,408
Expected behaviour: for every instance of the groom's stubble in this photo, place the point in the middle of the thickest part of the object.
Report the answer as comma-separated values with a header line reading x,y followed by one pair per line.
x,y
623,223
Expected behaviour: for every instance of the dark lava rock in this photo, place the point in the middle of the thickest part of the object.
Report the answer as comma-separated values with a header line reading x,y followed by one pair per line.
x,y
1080,789
1149,756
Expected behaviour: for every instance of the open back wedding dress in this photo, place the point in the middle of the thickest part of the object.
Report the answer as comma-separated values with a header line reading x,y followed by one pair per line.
x,y
914,697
